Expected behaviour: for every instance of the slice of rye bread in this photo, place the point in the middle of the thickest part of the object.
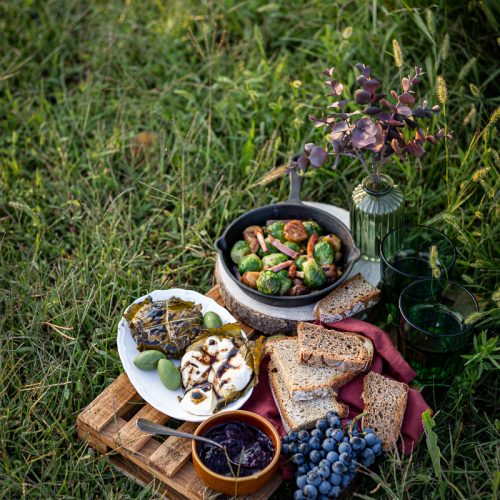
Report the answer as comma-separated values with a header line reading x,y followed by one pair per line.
x,y
320,346
349,298
385,404
297,415
305,382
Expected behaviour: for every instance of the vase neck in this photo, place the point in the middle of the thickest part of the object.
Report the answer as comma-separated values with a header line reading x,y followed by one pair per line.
x,y
384,186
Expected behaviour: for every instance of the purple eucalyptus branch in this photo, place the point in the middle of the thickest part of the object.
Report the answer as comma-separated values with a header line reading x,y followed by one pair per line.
x,y
381,132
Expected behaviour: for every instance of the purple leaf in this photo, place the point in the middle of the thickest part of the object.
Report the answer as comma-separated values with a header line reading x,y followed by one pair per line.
x,y
415,149
403,110
391,106
338,88
406,98
362,96
372,85
372,110
303,162
360,66
367,71
361,79
318,157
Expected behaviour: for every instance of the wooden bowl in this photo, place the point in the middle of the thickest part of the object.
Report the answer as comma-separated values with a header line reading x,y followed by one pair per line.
x,y
233,485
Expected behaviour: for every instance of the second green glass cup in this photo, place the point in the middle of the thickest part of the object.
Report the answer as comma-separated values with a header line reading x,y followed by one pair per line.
x,y
435,327
406,255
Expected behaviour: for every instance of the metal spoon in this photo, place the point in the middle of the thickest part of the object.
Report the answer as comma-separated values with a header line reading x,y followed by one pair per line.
x,y
150,427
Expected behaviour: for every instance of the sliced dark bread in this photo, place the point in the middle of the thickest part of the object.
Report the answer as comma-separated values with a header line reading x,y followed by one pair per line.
x,y
305,382
297,415
320,346
385,403
349,298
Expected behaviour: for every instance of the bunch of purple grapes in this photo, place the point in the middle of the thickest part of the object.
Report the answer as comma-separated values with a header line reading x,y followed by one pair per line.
x,y
327,457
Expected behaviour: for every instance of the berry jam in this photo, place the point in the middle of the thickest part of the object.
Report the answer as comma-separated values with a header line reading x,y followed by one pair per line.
x,y
244,443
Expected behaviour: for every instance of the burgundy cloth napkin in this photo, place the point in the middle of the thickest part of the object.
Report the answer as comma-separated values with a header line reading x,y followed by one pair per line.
x,y
386,360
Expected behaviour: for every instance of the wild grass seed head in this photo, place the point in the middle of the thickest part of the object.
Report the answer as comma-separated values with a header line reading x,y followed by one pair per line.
x,y
480,173
474,90
398,54
433,262
445,48
441,90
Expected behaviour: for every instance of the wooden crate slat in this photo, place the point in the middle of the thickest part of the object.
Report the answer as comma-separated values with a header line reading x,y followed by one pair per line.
x,y
144,478
173,453
133,438
197,488
113,402
140,458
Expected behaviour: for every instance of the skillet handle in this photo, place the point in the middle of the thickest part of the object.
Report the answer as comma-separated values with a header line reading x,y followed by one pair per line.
x,y
295,185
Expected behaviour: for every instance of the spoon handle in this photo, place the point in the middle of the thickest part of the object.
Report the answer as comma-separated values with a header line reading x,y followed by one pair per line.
x,y
152,428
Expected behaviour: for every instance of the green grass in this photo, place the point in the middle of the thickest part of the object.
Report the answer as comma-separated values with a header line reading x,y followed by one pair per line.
x,y
225,87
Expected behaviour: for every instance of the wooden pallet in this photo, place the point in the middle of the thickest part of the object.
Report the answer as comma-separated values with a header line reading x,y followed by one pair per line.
x,y
108,425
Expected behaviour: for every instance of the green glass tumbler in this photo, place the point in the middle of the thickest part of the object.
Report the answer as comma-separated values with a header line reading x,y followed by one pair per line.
x,y
435,327
405,256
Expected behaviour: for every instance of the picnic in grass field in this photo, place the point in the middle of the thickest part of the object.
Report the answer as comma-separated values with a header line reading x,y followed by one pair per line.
x,y
133,134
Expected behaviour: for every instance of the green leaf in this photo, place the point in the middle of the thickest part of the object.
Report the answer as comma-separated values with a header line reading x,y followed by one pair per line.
x,y
432,443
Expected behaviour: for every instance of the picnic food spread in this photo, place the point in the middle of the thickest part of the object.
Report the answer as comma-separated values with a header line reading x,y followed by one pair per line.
x,y
290,257
218,364
244,444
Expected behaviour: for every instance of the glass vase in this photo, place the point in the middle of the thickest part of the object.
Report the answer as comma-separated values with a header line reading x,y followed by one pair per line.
x,y
375,210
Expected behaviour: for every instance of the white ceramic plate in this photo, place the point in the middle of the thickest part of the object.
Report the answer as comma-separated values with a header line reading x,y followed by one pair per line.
x,y
148,383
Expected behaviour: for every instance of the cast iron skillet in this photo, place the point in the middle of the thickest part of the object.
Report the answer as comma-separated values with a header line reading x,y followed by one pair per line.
x,y
293,208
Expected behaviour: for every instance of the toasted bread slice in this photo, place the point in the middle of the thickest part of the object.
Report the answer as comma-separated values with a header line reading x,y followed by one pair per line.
x,y
349,298
320,346
297,415
305,382
385,403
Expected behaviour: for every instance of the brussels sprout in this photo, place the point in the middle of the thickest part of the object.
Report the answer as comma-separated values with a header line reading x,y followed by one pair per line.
x,y
277,229
334,241
286,284
239,250
269,283
323,253
312,227
299,262
249,263
270,249
273,259
314,276
293,246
